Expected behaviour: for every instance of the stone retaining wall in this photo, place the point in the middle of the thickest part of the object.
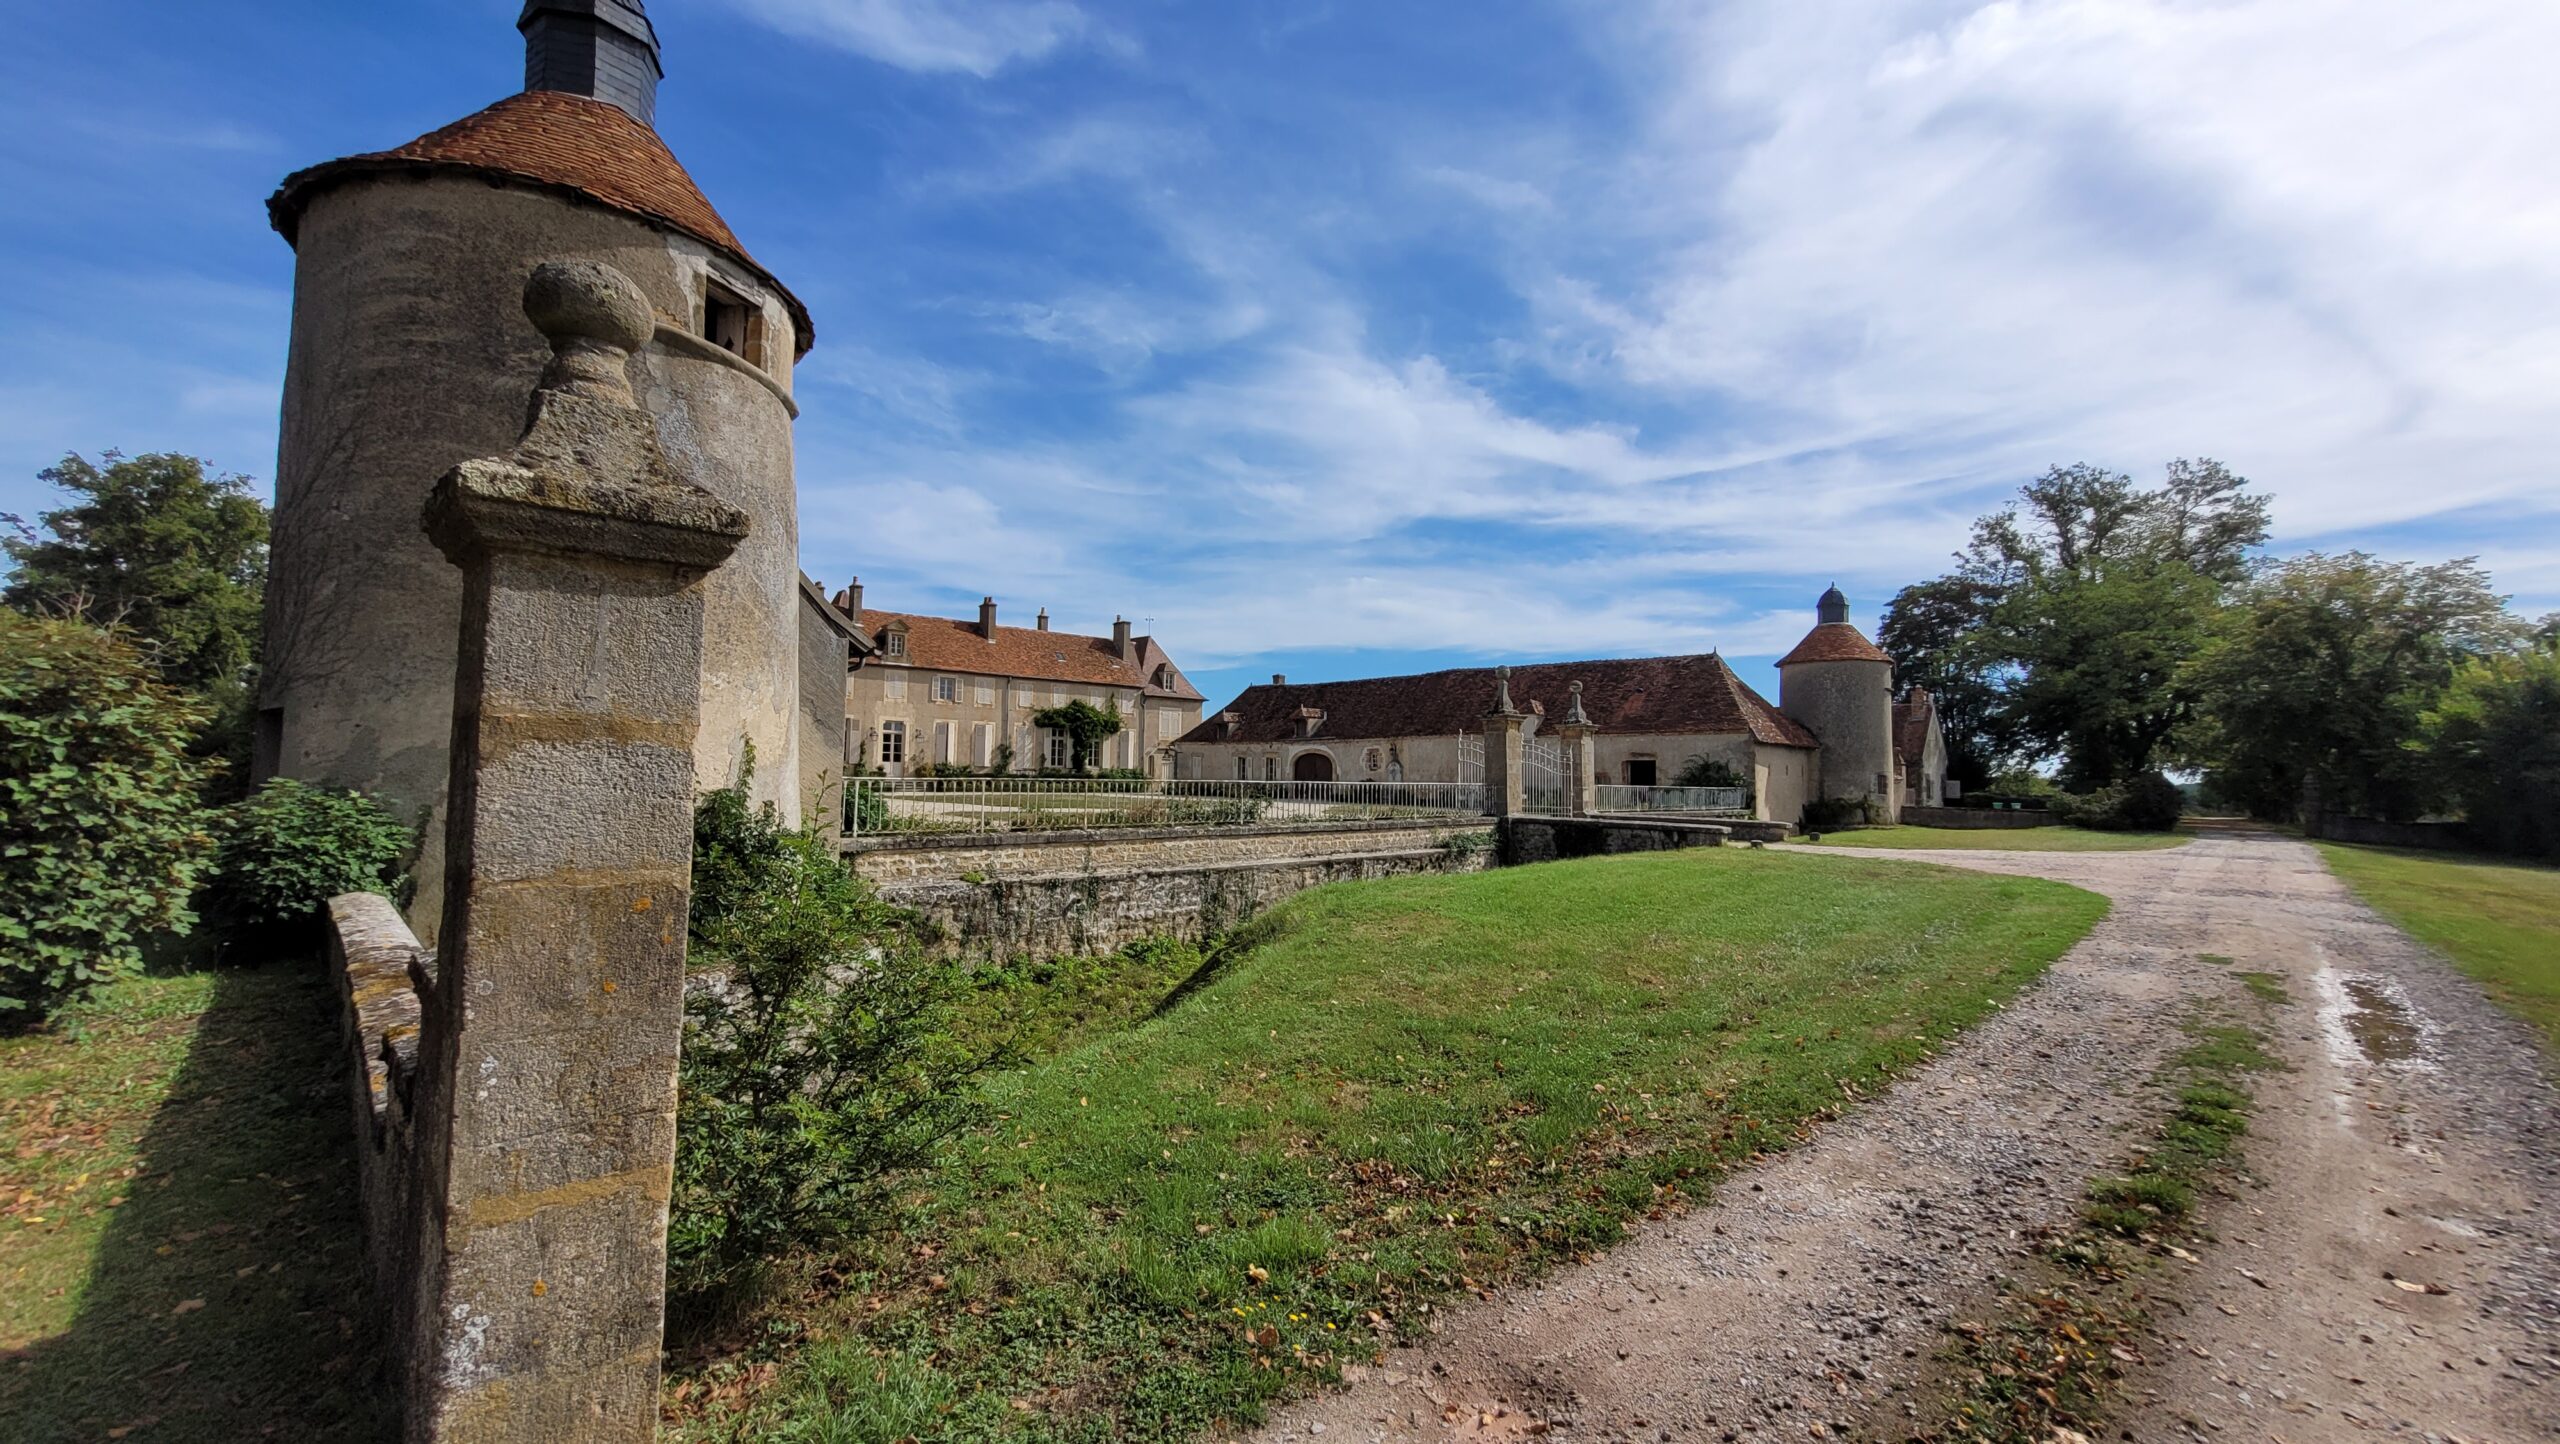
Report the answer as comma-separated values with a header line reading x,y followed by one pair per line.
x,y
1529,839
1975,817
1037,914
904,857
383,977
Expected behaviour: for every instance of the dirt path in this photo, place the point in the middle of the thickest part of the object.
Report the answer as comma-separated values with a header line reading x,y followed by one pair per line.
x,y
2416,1137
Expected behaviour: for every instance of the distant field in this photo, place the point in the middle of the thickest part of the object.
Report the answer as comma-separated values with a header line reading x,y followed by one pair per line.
x,y
2500,922
2023,839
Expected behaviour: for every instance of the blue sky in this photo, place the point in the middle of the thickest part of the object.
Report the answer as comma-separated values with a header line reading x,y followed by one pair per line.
x,y
1340,339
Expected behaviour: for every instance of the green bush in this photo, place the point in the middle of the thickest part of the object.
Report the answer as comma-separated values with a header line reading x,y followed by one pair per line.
x,y
2149,802
2493,741
1829,814
818,1062
285,850
100,834
1705,771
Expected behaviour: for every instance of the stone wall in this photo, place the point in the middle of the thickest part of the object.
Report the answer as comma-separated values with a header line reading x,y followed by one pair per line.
x,y
910,857
1975,817
1096,912
1528,839
2374,832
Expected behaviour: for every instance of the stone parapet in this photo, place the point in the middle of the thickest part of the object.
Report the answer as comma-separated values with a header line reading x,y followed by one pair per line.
x,y
912,856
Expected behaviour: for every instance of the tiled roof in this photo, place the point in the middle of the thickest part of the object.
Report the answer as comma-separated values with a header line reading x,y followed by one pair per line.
x,y
1665,695
556,141
949,644
1835,642
1911,726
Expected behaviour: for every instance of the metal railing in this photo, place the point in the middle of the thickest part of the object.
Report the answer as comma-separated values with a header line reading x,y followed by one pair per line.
x,y
884,805
1724,801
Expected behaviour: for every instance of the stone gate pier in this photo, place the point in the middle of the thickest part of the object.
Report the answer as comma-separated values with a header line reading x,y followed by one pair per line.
x,y
516,1093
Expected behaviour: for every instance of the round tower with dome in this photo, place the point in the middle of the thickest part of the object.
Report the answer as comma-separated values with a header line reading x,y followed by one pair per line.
x,y
410,353
1840,686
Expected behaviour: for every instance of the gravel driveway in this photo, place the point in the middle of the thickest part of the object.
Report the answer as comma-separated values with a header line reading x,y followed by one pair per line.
x,y
2415,1138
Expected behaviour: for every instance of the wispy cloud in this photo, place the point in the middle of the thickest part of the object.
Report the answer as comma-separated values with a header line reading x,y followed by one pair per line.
x,y
977,37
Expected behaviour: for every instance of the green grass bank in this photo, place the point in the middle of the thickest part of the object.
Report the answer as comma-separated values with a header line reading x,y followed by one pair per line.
x,y
1410,1089
178,1248
2498,921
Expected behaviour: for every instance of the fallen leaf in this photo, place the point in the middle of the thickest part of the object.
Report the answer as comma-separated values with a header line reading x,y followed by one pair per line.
x,y
188,1307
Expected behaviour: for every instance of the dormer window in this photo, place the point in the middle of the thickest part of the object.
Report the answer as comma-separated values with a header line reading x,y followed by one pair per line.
x,y
732,322
893,644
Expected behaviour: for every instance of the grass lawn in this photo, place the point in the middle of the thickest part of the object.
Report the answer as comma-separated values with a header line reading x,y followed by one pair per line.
x,y
178,1251
2023,839
2499,921
1409,1090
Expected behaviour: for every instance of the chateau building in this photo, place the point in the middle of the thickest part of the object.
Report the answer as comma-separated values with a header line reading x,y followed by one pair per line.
x,y
1836,731
928,691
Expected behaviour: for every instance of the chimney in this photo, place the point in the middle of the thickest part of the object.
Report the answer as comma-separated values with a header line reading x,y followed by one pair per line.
x,y
1279,679
603,49
1044,619
1120,637
853,599
987,618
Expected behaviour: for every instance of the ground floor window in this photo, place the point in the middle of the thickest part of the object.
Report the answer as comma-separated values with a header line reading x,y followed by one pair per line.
x,y
893,742
1240,772
1640,772
1061,748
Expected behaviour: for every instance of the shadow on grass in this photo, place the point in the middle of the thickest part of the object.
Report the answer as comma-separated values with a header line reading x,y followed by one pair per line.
x,y
226,1297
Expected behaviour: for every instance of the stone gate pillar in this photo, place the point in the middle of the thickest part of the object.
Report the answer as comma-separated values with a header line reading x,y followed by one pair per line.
x,y
546,1122
1581,790
1505,791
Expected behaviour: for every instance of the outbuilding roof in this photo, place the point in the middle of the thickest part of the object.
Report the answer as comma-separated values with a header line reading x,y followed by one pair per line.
x,y
552,140
1835,642
951,644
1674,696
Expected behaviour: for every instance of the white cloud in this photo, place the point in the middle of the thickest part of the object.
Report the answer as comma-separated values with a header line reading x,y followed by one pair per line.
x,y
975,37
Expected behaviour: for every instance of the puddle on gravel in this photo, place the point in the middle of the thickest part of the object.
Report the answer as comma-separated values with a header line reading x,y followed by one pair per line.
x,y
2382,1028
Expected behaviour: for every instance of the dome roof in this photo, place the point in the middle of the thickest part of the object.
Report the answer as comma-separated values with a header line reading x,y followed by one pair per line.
x,y
552,140
1835,642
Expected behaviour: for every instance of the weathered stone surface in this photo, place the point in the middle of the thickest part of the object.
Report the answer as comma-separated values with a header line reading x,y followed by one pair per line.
x,y
532,1295
896,857
1549,839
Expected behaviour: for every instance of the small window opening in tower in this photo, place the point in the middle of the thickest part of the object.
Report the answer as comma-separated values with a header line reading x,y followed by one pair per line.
x,y
732,323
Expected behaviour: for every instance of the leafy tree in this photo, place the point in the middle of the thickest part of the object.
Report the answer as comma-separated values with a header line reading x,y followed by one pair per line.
x,y
2072,613
2317,675
1086,726
154,545
1925,629
2493,742
100,834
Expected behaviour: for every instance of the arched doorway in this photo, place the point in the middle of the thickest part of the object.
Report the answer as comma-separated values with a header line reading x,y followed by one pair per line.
x,y
1312,767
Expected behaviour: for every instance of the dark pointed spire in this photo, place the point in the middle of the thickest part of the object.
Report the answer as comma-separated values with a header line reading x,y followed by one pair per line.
x,y
1834,606
605,49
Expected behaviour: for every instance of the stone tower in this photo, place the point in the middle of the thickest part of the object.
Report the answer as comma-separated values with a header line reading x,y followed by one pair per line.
x,y
410,353
1840,686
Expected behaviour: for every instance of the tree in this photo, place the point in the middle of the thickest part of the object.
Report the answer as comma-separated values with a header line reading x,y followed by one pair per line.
x,y
1925,628
101,839
153,545
2319,671
2492,741
1086,726
2071,614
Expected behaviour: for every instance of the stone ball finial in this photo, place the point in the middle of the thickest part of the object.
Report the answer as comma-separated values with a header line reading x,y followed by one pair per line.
x,y
595,317
1502,696
1574,715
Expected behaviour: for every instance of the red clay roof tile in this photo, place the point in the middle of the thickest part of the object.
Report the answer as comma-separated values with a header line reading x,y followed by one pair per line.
x,y
558,141
1667,695
949,644
1835,642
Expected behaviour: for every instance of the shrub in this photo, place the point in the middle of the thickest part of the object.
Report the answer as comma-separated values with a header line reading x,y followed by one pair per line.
x,y
2147,803
100,834
1827,814
1704,771
285,850
818,1063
